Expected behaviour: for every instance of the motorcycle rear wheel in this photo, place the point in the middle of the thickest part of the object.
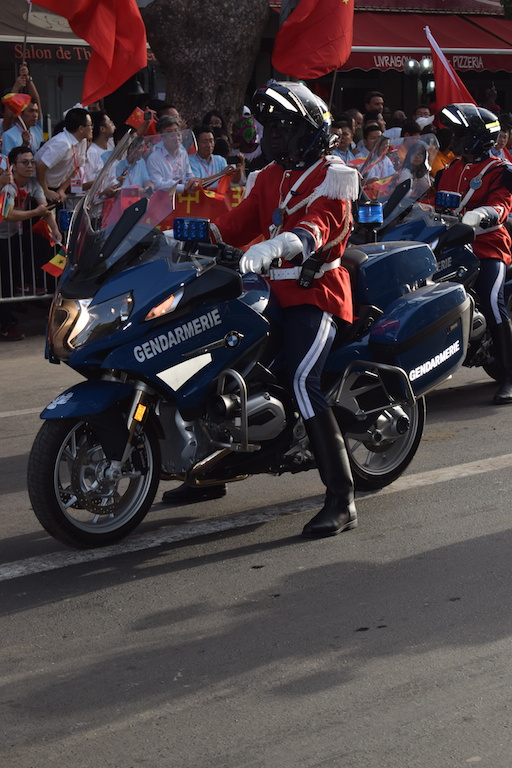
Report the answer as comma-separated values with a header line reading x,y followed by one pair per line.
x,y
71,496
374,469
493,367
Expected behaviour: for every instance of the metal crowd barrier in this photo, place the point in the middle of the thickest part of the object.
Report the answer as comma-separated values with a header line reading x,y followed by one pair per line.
x,y
21,276
22,256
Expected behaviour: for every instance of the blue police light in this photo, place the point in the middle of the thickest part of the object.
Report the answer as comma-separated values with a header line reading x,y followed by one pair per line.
x,y
447,200
192,230
370,214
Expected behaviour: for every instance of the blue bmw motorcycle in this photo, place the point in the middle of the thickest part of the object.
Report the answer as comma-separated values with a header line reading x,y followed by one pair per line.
x,y
410,211
183,366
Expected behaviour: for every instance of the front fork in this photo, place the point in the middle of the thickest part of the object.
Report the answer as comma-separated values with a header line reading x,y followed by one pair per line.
x,y
116,432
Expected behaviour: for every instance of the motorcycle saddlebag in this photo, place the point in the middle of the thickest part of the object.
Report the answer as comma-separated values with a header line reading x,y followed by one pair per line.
x,y
426,333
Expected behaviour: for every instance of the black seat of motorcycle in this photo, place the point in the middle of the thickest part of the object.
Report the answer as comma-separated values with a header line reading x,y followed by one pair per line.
x,y
218,284
352,259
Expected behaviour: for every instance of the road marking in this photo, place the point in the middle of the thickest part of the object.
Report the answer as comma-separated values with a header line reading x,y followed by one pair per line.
x,y
140,542
450,473
23,412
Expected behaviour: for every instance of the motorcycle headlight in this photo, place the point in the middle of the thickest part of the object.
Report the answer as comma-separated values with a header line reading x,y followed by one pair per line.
x,y
75,322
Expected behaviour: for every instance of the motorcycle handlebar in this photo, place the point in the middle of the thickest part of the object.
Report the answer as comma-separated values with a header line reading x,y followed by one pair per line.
x,y
228,256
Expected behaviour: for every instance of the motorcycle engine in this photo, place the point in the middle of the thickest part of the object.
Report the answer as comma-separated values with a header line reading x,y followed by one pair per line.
x,y
184,442
187,442
266,416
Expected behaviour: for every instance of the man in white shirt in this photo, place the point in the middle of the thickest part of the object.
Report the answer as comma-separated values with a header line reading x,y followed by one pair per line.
x,y
61,161
168,164
102,130
204,163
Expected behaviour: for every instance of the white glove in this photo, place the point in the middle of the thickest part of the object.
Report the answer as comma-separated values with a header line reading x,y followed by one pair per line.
x,y
259,257
475,218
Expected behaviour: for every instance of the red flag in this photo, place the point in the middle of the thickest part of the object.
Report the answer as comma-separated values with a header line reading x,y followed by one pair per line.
x,y
116,33
17,102
449,87
315,39
41,228
5,205
223,185
136,119
151,129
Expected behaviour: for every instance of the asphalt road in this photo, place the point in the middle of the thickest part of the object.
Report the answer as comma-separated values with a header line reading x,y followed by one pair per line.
x,y
216,637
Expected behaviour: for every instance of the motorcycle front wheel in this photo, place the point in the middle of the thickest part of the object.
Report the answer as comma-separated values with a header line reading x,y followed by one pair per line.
x,y
375,466
70,489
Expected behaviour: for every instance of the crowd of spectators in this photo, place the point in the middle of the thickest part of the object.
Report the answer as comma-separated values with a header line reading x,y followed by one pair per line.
x,y
57,171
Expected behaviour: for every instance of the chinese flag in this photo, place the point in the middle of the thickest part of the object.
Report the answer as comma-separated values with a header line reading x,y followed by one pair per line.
x,y
449,87
315,39
116,33
136,119
17,102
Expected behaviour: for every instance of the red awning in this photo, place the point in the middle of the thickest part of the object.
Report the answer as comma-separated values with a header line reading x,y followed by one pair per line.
x,y
500,28
386,40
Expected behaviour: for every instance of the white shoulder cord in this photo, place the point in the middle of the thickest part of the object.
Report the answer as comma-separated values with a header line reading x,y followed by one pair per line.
x,y
474,184
275,229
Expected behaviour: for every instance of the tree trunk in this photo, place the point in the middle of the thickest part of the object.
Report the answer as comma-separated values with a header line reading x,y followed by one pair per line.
x,y
207,51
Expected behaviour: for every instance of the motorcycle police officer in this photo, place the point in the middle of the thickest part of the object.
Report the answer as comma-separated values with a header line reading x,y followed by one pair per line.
x,y
485,184
301,202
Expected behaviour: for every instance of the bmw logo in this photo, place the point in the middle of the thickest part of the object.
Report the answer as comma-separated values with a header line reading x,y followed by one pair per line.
x,y
232,339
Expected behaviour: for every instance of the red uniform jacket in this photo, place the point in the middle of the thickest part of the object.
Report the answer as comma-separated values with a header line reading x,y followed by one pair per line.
x,y
492,192
321,206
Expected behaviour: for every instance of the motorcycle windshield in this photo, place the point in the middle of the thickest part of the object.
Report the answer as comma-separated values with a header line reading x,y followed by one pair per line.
x,y
125,219
399,174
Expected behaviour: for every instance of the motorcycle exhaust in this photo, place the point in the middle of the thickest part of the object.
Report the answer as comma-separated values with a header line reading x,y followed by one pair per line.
x,y
193,476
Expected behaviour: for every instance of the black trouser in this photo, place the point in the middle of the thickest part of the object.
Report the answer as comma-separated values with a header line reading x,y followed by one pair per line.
x,y
489,287
308,336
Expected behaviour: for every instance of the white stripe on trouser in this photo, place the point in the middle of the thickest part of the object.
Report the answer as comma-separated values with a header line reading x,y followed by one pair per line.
x,y
493,299
308,362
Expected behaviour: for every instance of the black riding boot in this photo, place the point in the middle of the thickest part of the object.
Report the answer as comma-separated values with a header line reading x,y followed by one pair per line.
x,y
502,347
187,494
339,512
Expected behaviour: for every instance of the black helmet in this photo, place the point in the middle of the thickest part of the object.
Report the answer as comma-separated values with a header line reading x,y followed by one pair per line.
x,y
301,119
475,129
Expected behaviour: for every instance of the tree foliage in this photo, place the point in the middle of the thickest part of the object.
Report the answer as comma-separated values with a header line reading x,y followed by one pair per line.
x,y
207,51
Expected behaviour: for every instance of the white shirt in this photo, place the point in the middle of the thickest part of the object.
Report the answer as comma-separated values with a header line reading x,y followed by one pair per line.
x,y
166,171
63,156
393,133
94,162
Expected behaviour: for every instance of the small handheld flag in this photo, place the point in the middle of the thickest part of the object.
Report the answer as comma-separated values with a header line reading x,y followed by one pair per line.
x,y
5,205
55,266
16,102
